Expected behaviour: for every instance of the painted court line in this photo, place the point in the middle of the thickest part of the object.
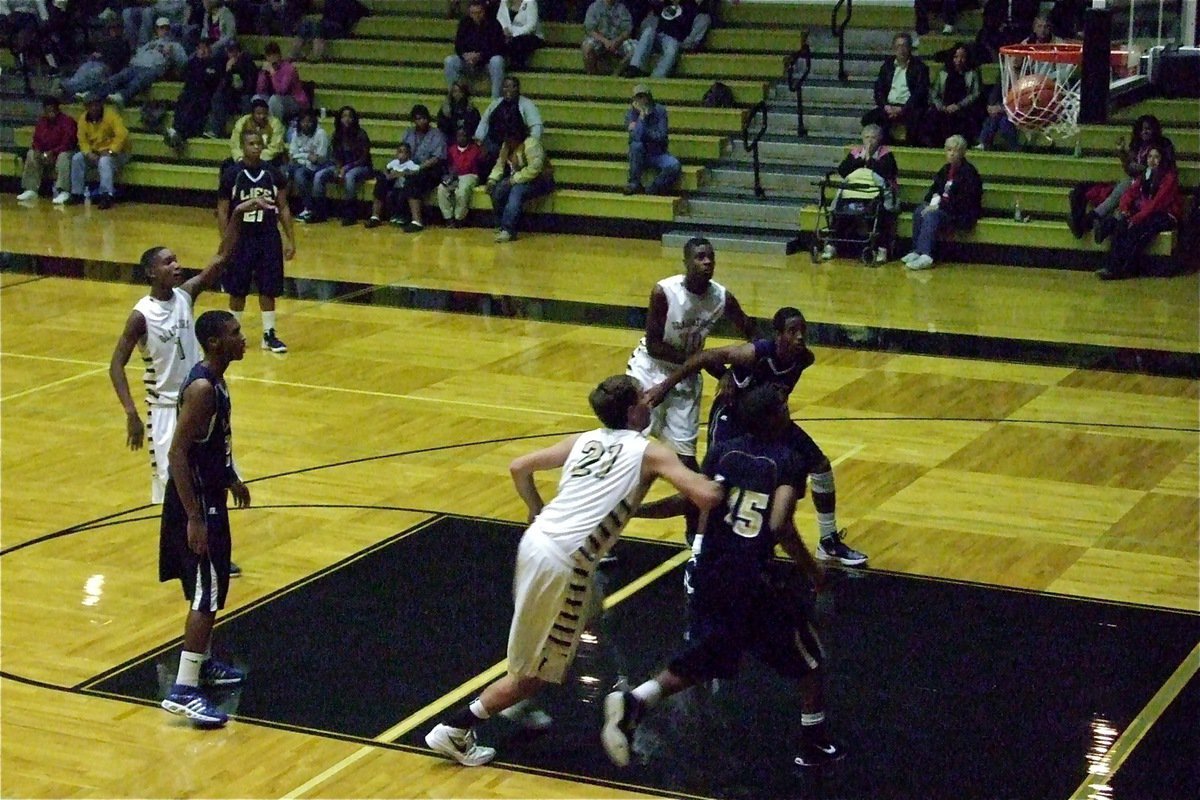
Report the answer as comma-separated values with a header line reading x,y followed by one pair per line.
x,y
473,685
1102,769
53,384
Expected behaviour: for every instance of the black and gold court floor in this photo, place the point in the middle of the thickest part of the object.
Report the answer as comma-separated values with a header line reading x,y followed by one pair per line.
x,y
939,688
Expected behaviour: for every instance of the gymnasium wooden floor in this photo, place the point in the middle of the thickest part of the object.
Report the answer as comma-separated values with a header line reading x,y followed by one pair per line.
x,y
1041,477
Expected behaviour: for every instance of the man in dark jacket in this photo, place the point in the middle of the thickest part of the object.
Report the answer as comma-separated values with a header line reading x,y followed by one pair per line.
x,y
478,45
201,77
673,27
239,75
647,124
901,91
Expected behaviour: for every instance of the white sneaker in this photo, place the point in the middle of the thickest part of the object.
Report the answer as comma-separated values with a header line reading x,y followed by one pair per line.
x,y
27,195
528,716
460,745
828,253
920,262
617,734
947,29
908,258
881,255
118,99
61,198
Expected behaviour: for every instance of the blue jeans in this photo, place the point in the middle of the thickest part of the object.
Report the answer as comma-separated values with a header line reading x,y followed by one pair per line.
x,y
667,165
927,222
508,197
302,180
350,183
999,126
454,68
670,51
129,82
90,74
107,167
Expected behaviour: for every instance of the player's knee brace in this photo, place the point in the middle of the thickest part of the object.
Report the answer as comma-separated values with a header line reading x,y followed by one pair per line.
x,y
821,482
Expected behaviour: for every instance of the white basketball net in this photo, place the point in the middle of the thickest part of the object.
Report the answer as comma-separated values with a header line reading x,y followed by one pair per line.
x,y
1041,94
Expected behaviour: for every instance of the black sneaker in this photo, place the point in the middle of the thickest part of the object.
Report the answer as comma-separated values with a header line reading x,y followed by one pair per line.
x,y
834,549
373,222
272,342
819,754
234,570
620,721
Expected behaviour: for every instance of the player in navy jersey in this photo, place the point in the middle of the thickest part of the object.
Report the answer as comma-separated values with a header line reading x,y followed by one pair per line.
x,y
777,361
261,250
736,607
194,539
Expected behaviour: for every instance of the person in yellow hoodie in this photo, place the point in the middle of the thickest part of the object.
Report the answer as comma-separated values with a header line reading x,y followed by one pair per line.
x,y
261,121
522,173
103,148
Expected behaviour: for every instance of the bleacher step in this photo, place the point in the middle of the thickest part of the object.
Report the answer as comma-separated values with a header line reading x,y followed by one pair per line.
x,y
740,211
735,242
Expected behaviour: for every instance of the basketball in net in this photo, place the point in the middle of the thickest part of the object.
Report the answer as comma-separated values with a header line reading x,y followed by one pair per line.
x,y
1040,85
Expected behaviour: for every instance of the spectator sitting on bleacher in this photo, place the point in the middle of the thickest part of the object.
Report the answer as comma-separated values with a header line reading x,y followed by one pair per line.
x,y
607,29
901,91
239,76
1004,22
280,17
478,46
151,62
876,156
109,56
427,146
140,18
954,199
308,152
921,16
522,173
522,30
673,26
53,143
201,77
1067,18
464,160
351,156
1151,205
997,124
389,184
954,98
648,139
509,110
279,84
457,113
103,149
24,24
218,25
273,134
338,19
1145,135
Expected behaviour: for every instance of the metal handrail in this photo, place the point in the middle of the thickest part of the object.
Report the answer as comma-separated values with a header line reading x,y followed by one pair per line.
x,y
761,106
796,83
839,30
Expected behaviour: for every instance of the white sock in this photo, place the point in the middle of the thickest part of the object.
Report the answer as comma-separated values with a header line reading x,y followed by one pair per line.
x,y
649,693
813,718
189,668
827,524
478,710
268,319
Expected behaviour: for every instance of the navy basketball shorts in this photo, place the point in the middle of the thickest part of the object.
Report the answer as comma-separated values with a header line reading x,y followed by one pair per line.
x,y
257,258
205,579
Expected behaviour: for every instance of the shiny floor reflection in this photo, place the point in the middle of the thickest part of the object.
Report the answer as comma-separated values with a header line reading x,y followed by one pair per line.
x,y
938,688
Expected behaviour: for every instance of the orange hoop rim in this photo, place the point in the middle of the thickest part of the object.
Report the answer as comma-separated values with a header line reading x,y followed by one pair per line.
x,y
1059,53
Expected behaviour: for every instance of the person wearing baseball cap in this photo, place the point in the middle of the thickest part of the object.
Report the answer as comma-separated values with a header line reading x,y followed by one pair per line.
x,y
647,124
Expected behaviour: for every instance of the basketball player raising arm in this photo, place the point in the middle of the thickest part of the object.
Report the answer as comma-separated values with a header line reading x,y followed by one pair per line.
x,y
164,273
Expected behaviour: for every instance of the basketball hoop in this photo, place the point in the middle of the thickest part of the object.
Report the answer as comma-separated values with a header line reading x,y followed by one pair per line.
x,y
1040,86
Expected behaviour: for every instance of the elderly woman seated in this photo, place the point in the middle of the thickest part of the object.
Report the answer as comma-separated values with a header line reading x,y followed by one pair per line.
x,y
869,164
954,199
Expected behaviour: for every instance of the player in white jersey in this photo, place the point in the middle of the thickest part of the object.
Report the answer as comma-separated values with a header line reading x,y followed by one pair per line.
x,y
605,474
161,328
683,311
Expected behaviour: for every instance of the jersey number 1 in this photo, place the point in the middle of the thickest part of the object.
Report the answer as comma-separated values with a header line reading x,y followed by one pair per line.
x,y
746,509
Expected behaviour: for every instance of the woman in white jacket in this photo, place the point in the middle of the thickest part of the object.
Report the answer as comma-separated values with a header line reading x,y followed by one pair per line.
x,y
522,30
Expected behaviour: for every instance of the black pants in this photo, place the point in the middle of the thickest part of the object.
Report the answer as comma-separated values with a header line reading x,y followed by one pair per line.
x,y
911,118
1130,241
521,49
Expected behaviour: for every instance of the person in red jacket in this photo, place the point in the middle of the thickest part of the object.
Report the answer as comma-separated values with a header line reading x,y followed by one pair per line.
x,y
53,143
1152,204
